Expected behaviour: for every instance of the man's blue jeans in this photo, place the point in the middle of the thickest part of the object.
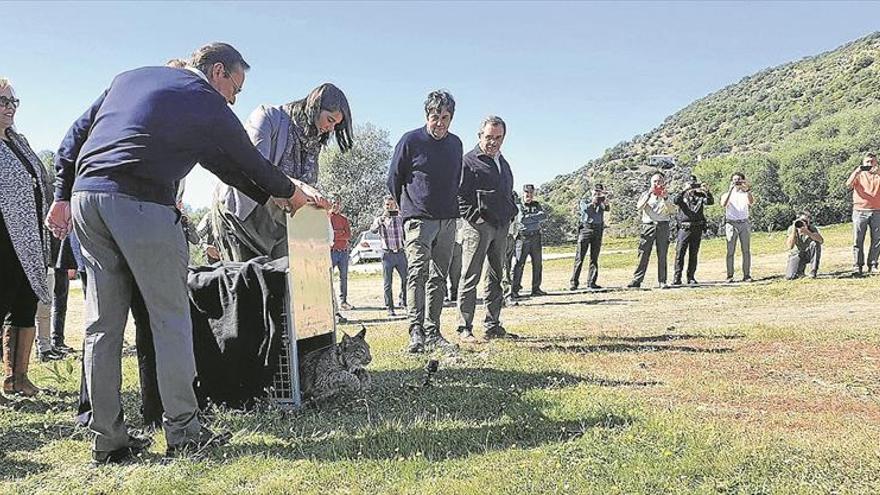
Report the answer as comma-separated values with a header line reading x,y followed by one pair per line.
x,y
340,259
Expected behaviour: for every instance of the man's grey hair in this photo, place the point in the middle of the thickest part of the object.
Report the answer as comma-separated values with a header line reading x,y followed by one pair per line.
x,y
438,100
492,120
205,57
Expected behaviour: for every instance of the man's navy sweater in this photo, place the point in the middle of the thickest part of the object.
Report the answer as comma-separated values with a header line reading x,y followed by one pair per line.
x,y
486,191
148,130
424,175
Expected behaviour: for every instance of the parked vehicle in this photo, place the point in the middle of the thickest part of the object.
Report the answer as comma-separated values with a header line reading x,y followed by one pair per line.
x,y
367,248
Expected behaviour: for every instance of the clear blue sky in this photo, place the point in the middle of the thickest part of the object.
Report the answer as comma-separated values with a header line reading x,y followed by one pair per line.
x,y
571,79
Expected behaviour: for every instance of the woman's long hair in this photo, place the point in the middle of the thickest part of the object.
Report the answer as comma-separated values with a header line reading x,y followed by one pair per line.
x,y
330,98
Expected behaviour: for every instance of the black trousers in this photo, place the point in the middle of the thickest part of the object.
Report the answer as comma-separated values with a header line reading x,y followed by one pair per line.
x,y
687,244
651,234
59,306
151,401
527,246
589,239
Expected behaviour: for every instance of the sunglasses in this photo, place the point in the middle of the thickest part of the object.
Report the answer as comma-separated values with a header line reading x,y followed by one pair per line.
x,y
6,102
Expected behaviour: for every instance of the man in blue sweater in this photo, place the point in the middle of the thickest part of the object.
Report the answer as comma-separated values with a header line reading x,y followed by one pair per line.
x,y
119,166
423,179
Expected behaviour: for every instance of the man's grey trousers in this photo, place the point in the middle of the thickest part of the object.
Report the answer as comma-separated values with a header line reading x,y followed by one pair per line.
x,y
428,246
126,242
482,242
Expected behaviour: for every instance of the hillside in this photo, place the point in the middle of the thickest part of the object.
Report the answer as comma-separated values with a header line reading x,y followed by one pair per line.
x,y
806,120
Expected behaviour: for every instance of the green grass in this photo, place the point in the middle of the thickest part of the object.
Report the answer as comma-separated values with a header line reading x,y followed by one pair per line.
x,y
765,388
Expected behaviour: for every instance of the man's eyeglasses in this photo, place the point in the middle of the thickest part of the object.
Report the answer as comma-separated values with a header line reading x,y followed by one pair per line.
x,y
7,102
235,87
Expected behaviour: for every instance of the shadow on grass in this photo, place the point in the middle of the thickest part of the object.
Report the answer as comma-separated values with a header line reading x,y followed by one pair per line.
x,y
629,347
666,337
610,302
375,321
462,412
25,439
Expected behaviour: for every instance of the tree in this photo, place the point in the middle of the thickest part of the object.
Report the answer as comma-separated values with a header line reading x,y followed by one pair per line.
x,y
358,177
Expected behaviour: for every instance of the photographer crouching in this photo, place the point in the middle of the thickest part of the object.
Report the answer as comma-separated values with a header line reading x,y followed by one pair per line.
x,y
805,243
691,225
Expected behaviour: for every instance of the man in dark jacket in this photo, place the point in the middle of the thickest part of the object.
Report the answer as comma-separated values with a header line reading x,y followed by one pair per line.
x,y
591,226
485,200
691,224
120,164
423,179
528,242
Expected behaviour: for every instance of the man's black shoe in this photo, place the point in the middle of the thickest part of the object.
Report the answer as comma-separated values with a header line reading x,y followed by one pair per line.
x,y
692,281
136,446
50,355
434,340
633,285
416,339
538,292
498,332
62,348
207,439
572,287
466,335
676,281
391,311
595,286
747,279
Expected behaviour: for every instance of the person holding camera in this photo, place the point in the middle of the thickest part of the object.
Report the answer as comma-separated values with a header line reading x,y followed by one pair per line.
x,y
656,210
389,226
590,229
736,202
691,224
529,242
805,244
865,184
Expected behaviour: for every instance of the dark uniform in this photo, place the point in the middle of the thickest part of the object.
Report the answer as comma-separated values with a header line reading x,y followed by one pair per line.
x,y
528,244
691,225
590,230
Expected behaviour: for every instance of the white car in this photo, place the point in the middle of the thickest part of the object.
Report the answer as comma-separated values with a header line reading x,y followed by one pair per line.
x,y
367,248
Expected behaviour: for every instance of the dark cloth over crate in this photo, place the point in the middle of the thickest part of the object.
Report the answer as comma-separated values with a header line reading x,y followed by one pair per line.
x,y
237,316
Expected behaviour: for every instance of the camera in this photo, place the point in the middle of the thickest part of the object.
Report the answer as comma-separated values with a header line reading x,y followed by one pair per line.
x,y
799,224
392,213
739,182
865,168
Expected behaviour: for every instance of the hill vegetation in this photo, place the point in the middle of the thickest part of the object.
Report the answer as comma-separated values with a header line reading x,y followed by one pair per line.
x,y
796,130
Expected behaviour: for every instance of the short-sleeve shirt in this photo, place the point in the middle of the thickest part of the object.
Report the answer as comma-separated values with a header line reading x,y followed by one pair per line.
x,y
866,191
737,205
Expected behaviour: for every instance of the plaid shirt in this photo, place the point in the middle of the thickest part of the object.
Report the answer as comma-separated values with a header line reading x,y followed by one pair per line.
x,y
390,231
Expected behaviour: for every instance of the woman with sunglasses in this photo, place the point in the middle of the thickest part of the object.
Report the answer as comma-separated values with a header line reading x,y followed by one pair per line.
x,y
291,137
24,246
